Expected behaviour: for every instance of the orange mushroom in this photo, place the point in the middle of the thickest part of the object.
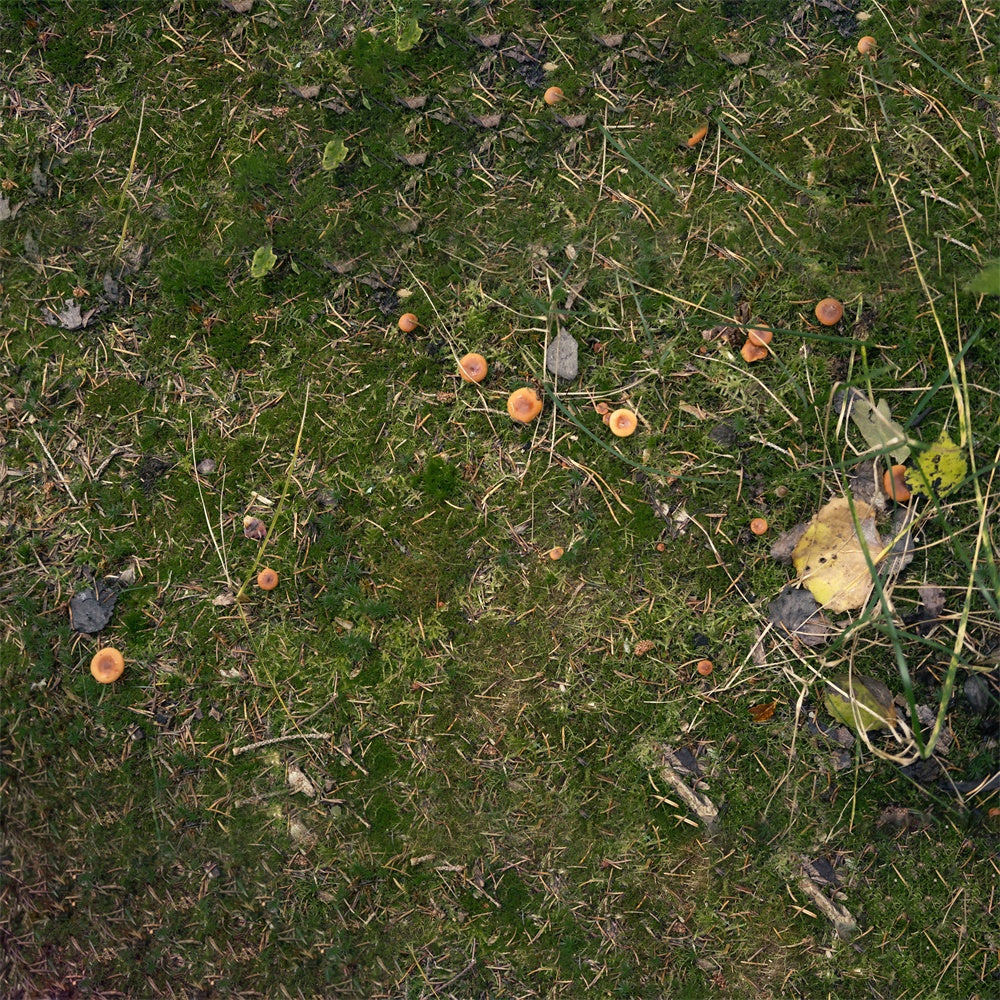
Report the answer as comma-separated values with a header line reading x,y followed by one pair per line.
x,y
704,667
761,336
408,322
752,352
894,484
473,368
556,553
759,526
623,423
829,311
699,134
553,95
867,45
523,405
267,578
107,665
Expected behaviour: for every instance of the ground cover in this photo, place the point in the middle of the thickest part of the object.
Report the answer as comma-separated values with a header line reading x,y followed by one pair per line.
x,y
435,760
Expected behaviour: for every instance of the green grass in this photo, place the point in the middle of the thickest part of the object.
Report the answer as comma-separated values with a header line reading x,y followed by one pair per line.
x,y
482,726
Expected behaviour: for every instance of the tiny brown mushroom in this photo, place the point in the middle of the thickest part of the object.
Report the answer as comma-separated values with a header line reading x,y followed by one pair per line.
x,y
408,322
759,526
267,578
760,336
553,95
699,134
829,311
623,423
752,352
894,484
107,665
473,367
523,405
867,45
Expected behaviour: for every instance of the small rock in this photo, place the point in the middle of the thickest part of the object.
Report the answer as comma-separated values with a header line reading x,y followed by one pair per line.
x,y
562,356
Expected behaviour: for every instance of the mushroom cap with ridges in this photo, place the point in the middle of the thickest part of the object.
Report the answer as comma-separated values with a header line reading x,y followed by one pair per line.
x,y
623,423
473,367
523,405
107,665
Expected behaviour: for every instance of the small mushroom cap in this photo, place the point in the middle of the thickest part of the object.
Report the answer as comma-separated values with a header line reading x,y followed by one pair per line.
x,y
553,95
408,322
829,311
556,553
107,665
867,45
622,423
699,134
760,336
894,484
523,405
704,667
267,578
473,367
759,526
752,352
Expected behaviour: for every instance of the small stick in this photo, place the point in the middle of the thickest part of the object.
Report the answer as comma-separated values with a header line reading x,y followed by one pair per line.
x,y
61,477
281,739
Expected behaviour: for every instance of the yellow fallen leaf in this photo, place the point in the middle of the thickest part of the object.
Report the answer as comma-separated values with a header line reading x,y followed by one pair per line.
x,y
830,557
940,469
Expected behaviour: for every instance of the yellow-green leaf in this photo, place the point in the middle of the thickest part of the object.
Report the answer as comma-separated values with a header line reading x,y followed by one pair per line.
x,y
987,282
334,153
263,260
860,702
940,469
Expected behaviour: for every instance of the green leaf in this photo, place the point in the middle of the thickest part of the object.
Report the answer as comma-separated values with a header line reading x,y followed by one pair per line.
x,y
870,706
409,34
987,282
877,427
263,261
334,153
940,469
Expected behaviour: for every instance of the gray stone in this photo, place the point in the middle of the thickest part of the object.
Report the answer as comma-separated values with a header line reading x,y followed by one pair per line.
x,y
561,358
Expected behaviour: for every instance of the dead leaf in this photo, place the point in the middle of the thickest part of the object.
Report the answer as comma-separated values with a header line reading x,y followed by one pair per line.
x,y
298,782
900,555
831,558
574,121
8,211
413,159
69,317
237,6
932,599
414,103
764,712
784,544
307,92
225,600
796,611
736,58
